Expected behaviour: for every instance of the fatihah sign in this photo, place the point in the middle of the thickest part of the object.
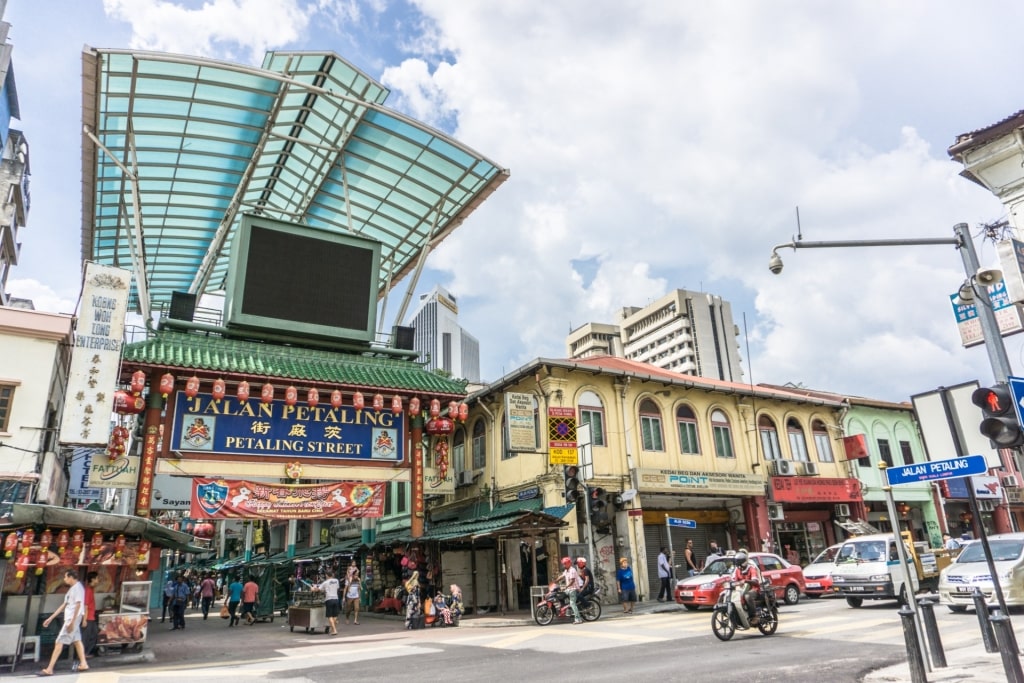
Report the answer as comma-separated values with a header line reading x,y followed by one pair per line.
x,y
241,499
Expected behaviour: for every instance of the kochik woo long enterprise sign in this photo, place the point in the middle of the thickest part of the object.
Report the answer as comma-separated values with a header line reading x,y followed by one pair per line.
x,y
229,426
220,499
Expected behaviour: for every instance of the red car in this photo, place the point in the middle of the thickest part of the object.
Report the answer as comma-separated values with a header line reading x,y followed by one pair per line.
x,y
702,590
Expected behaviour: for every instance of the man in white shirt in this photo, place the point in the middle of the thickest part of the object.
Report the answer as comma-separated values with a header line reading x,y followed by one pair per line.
x,y
332,603
71,633
665,574
571,578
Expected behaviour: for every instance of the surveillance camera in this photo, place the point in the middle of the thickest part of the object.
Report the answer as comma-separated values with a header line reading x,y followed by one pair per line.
x,y
775,264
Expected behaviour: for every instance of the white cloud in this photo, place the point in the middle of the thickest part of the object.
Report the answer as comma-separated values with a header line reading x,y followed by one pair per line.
x,y
43,297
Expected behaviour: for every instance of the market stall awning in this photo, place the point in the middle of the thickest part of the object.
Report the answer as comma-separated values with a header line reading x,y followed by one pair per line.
x,y
524,523
30,514
176,148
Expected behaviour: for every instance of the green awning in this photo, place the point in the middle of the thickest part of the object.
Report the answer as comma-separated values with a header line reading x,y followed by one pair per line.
x,y
524,523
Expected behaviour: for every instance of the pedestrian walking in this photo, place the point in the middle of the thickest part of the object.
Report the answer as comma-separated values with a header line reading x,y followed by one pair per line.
x,y
168,599
71,633
91,631
182,591
250,596
206,592
664,575
626,585
233,599
413,609
353,591
332,602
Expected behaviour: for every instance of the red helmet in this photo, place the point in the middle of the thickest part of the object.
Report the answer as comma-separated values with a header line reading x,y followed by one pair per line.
x,y
566,562
581,561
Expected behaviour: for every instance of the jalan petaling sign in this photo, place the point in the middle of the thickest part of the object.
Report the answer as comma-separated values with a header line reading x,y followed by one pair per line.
x,y
700,482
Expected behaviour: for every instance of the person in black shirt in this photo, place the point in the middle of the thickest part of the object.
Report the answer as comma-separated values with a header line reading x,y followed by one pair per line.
x,y
587,576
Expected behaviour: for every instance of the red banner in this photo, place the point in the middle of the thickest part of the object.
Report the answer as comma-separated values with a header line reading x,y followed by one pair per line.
x,y
225,498
856,447
814,490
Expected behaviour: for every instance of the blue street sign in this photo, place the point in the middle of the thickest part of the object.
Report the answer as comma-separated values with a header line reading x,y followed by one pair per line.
x,y
679,521
1017,389
937,469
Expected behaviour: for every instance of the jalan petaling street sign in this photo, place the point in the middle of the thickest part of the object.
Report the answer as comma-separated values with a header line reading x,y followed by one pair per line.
x,y
951,468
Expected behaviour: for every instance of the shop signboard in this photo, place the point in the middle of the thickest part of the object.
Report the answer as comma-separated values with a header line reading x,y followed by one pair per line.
x,y
235,498
114,473
984,487
679,481
81,464
522,421
438,482
814,490
203,424
562,437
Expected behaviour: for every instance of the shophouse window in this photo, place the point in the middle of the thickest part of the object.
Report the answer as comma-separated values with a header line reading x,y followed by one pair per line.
x,y
797,442
723,435
822,443
885,452
908,455
769,438
650,426
592,413
6,402
686,424
459,451
479,445
401,503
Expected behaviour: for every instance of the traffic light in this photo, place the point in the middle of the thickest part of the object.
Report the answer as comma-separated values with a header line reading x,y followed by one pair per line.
x,y
597,499
1000,423
572,483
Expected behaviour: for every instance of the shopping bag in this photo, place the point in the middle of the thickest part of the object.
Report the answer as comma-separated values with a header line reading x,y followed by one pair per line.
x,y
224,612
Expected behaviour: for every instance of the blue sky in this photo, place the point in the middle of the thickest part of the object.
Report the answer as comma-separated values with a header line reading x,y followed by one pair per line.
x,y
651,146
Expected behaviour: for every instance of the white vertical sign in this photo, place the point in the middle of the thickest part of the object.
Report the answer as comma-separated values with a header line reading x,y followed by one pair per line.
x,y
96,356
936,428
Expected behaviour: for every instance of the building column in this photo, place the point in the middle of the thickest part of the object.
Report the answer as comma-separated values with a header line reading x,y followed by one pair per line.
x,y
416,438
151,436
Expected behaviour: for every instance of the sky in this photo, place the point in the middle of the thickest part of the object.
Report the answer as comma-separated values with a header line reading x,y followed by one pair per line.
x,y
651,146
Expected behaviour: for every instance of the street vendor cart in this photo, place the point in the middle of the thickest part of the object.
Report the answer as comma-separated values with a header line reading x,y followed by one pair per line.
x,y
307,611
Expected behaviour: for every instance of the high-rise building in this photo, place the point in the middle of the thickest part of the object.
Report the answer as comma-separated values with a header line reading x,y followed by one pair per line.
x,y
689,332
440,340
14,168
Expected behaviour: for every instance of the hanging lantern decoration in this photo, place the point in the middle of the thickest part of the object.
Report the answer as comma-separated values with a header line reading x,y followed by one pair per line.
x,y
97,543
291,396
192,386
414,406
27,540
396,404
903,508
219,389
203,530
463,412
41,558
77,540
312,397
440,425
22,566
138,382
267,393
243,391
435,408
63,538
119,545
166,384
144,547
453,409
11,545
46,539
358,402
378,402
335,399
126,404
121,433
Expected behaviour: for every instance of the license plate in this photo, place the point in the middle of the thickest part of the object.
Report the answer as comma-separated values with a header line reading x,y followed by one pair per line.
x,y
855,589
963,591
813,584
686,594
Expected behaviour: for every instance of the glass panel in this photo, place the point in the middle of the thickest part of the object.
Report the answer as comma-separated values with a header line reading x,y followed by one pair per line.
x,y
688,437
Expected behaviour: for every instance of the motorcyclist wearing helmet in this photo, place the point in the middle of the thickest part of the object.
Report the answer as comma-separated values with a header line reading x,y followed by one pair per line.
x,y
570,578
586,576
746,578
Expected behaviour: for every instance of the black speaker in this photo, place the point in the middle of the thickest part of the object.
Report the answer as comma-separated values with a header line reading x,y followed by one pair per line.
x,y
402,337
183,306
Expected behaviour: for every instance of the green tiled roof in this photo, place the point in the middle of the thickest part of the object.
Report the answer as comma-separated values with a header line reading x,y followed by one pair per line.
x,y
254,359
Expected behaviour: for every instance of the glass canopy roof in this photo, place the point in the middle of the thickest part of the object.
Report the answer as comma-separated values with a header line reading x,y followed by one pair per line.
x,y
176,149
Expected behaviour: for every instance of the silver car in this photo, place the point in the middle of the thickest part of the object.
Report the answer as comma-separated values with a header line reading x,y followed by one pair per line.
x,y
958,581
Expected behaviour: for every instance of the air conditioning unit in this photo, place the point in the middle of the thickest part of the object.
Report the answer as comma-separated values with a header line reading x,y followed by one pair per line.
x,y
784,468
464,478
842,510
987,505
1009,480
810,469
775,513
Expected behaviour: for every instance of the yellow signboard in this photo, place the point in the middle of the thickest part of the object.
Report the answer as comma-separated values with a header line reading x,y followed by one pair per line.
x,y
563,456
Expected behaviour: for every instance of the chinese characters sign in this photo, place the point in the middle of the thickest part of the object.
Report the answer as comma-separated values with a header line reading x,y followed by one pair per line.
x,y
1008,316
229,426
225,498
562,436
814,490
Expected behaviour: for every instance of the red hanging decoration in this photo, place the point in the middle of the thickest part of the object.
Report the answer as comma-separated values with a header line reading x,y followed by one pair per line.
x,y
243,391
144,547
27,540
463,412
378,402
312,397
119,545
396,404
77,540
414,406
435,408
453,409
63,538
126,404
335,399
46,539
291,396
97,543
22,566
41,558
166,384
267,393
11,544
219,389
358,402
138,382
192,386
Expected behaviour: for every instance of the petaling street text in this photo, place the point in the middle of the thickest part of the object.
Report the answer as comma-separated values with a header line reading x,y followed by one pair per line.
x,y
206,405
250,443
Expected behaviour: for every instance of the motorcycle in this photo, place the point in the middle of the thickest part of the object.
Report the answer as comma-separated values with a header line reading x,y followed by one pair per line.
x,y
556,603
725,621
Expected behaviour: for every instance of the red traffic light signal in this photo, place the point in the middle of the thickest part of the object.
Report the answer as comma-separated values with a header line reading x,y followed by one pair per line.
x,y
999,416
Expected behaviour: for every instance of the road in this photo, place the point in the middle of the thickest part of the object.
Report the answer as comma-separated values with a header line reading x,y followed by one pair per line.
x,y
817,640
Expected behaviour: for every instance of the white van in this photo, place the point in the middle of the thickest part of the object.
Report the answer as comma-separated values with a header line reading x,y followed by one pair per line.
x,y
958,581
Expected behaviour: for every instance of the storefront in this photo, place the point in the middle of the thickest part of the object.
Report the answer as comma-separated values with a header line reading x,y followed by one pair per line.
x,y
960,519
803,510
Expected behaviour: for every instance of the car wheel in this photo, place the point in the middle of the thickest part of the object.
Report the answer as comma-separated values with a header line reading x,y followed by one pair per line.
x,y
957,609
792,594
854,602
691,608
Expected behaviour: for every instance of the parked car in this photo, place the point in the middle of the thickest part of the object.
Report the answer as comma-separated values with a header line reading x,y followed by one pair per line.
x,y
702,590
958,581
818,574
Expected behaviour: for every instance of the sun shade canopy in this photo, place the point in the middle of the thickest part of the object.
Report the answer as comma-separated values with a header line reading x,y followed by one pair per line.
x,y
176,149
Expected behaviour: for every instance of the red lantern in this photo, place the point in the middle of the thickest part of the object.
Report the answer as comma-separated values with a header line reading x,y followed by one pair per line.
x,y
63,538
312,397
453,409
414,406
97,543
144,547
41,557
441,425
396,404
138,382
219,389
77,540
435,408
243,391
121,433
291,395
119,545
22,566
192,386
46,539
267,393
357,401
166,384
335,399
463,412
378,402
126,404
11,544
203,530
27,540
